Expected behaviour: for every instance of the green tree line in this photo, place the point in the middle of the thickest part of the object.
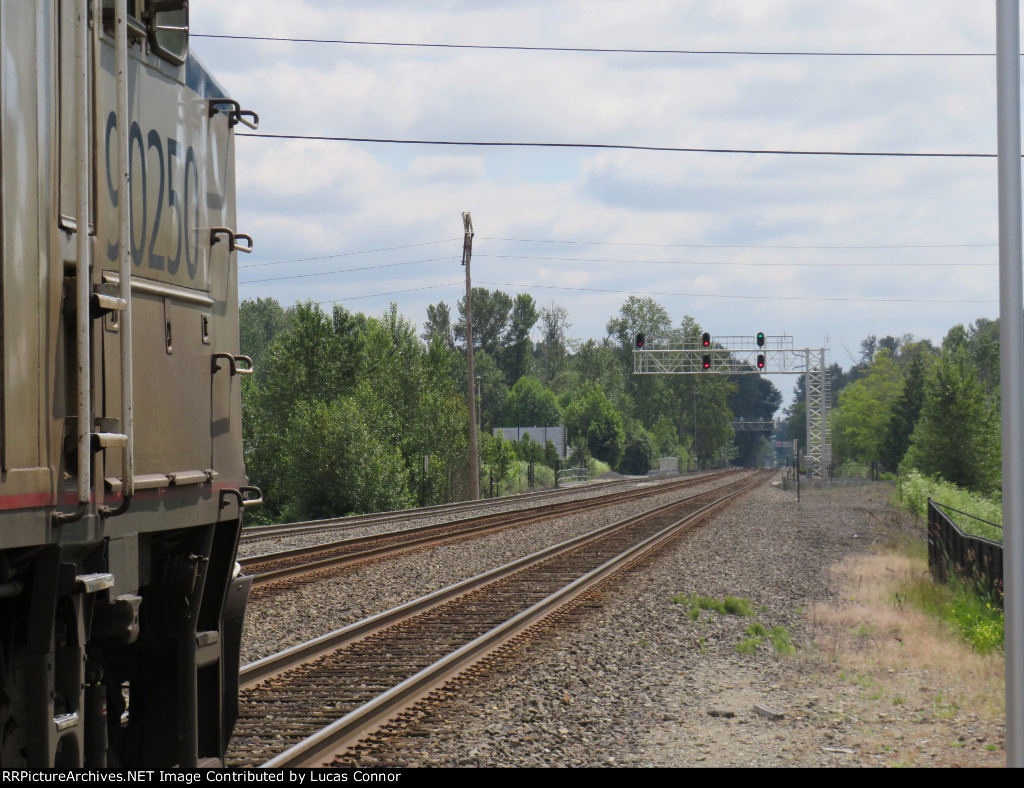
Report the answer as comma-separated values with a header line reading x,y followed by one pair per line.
x,y
911,406
344,408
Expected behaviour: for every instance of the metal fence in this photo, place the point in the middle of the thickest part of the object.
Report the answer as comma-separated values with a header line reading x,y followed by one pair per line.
x,y
573,475
973,559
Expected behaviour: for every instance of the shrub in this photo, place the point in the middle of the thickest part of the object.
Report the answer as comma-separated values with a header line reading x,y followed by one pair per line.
x,y
917,489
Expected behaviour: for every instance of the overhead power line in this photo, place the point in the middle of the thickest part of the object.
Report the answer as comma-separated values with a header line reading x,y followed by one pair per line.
x,y
591,50
604,146
736,246
728,263
348,254
345,270
760,297
393,292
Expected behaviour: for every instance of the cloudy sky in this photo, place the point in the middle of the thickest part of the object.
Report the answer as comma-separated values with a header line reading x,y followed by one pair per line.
x,y
826,249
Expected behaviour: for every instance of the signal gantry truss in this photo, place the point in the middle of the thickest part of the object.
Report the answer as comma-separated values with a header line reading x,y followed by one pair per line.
x,y
740,355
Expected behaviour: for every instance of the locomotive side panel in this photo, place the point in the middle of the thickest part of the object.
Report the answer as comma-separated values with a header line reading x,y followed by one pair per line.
x,y
119,622
28,304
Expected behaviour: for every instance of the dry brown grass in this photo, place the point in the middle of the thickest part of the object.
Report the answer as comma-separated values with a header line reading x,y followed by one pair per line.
x,y
872,632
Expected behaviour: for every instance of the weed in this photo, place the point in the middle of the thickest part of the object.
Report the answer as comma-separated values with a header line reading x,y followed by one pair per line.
x,y
991,747
975,616
728,606
779,638
749,646
757,630
979,621
738,607
643,643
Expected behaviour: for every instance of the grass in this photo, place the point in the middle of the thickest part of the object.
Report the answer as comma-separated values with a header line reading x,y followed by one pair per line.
x,y
730,605
891,621
976,618
757,633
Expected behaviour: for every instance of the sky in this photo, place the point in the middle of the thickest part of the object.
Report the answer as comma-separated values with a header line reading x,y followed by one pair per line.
x,y
824,249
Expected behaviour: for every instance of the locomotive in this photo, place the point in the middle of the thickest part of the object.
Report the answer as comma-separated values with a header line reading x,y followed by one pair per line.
x,y
122,486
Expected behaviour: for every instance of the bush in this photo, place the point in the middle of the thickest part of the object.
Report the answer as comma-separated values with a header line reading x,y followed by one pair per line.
x,y
917,489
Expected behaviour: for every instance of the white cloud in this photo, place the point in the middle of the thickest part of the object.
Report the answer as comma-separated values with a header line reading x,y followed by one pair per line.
x,y
305,199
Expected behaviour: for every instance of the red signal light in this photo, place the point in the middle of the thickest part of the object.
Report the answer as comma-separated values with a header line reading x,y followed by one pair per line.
x,y
760,361
706,339
640,341
707,362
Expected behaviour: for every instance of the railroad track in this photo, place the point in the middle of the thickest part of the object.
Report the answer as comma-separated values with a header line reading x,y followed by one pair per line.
x,y
290,569
305,705
256,533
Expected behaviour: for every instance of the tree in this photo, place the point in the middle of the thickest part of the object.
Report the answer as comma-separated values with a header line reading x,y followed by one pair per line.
x,y
592,422
500,455
868,347
554,346
531,405
903,419
491,312
859,426
638,454
528,450
957,435
259,322
517,347
640,315
333,465
439,324
494,390
755,399
344,413
597,361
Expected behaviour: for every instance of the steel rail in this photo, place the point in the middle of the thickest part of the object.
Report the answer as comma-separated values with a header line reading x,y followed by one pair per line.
x,y
361,721
347,551
256,672
256,533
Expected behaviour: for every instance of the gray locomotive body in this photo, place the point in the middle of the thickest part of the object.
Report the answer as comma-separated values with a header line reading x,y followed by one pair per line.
x,y
121,475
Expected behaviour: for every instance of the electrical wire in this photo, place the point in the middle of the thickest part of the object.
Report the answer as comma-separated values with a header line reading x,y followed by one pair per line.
x,y
346,270
348,254
589,50
747,297
729,263
735,246
605,146
393,292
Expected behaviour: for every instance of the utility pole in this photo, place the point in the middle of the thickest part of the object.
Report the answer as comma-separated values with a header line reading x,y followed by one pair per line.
x,y
474,457
1011,355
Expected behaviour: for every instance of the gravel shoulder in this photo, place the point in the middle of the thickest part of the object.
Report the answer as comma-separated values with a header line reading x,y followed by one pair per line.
x,y
634,682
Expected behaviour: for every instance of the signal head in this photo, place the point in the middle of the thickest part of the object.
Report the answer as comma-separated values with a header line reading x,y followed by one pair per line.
x,y
706,339
640,341
707,362
760,338
760,361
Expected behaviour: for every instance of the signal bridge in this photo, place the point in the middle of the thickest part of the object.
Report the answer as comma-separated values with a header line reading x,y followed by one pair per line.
x,y
753,426
750,355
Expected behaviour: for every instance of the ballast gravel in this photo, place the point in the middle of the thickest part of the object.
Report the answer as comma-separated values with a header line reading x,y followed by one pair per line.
x,y
275,623
630,680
